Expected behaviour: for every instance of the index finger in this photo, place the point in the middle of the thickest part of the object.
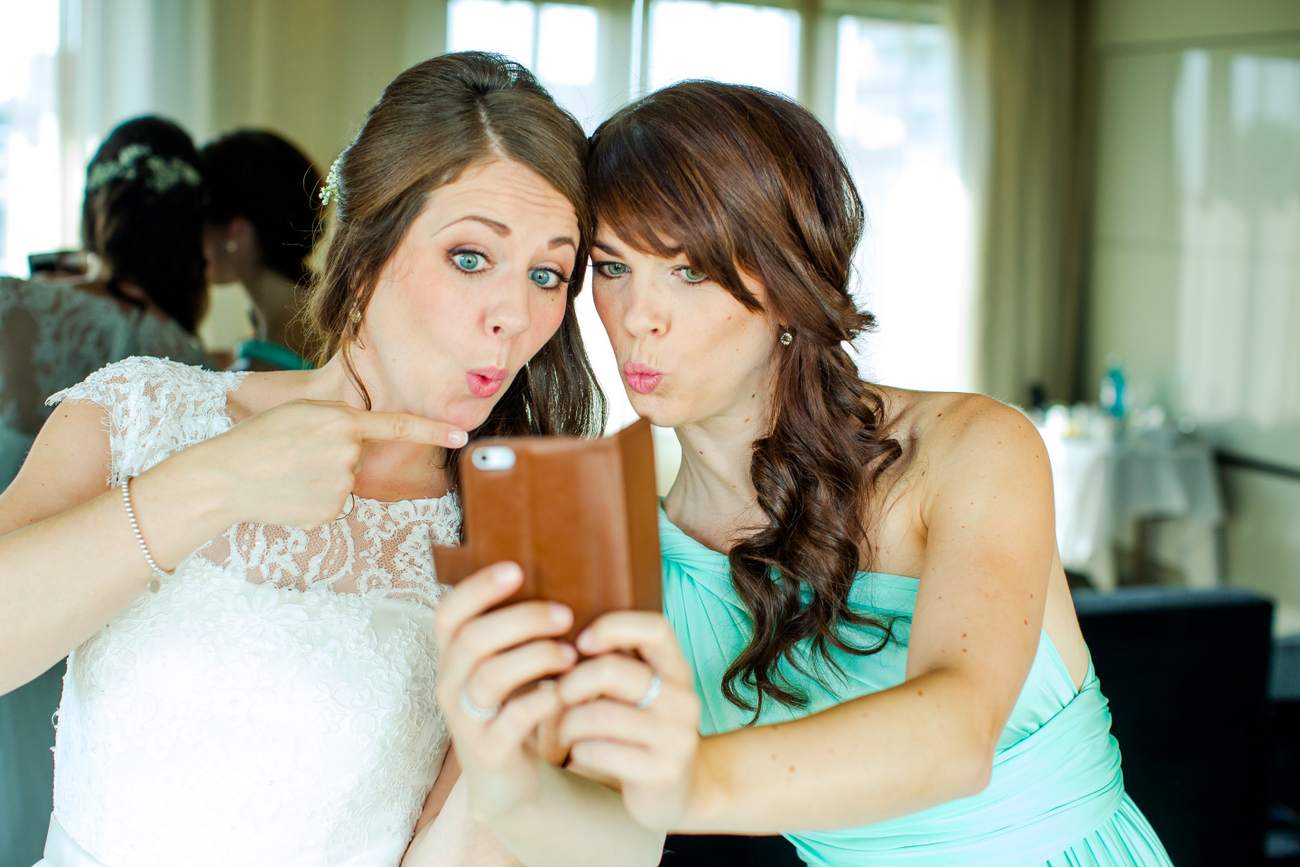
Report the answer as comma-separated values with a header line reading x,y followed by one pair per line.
x,y
473,596
403,427
648,633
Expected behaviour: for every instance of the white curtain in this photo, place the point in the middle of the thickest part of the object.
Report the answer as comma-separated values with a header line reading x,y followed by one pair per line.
x,y
1025,100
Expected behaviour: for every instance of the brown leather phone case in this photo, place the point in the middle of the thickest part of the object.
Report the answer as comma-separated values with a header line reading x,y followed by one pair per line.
x,y
578,515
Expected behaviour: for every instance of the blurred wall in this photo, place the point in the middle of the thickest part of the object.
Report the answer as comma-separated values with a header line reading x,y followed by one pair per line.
x,y
1196,257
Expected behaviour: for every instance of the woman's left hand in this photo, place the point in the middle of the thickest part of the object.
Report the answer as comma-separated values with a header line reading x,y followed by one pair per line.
x,y
634,720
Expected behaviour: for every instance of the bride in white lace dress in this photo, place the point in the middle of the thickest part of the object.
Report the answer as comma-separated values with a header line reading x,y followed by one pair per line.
x,y
271,702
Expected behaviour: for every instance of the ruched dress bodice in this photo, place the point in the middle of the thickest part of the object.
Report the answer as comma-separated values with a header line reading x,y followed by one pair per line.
x,y
1056,796
273,703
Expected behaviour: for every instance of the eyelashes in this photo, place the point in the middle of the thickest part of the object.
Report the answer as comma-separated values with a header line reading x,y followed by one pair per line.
x,y
471,261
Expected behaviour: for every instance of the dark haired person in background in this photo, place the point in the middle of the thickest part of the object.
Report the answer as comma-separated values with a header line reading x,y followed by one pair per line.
x,y
262,222
144,294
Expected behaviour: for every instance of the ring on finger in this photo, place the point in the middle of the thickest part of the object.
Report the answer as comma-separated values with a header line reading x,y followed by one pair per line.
x,y
651,692
476,711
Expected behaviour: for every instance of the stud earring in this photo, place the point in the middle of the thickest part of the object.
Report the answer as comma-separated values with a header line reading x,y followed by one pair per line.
x,y
786,337
232,246
356,315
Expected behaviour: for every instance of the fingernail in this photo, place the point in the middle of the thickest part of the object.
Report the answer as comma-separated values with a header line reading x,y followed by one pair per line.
x,y
507,574
585,640
457,437
560,614
569,652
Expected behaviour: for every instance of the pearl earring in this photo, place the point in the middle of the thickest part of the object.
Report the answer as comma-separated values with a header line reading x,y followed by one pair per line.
x,y
232,246
786,337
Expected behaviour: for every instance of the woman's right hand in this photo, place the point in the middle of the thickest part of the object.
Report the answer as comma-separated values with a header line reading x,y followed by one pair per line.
x,y
486,659
296,463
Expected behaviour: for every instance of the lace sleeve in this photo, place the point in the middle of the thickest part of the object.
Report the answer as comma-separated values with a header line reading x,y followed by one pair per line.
x,y
153,408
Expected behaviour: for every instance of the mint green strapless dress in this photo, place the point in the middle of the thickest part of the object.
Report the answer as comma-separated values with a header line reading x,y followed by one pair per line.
x,y
1057,794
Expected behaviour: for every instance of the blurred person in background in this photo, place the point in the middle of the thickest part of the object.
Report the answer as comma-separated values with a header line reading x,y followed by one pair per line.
x,y
143,294
263,220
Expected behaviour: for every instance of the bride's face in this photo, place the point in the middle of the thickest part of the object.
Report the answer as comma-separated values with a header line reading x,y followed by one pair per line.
x,y
688,351
474,290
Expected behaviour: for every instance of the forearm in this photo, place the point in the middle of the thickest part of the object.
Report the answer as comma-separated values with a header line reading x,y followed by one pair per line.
x,y
884,755
62,579
573,822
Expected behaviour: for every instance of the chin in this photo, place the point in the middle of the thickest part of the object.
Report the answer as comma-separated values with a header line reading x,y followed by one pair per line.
x,y
659,411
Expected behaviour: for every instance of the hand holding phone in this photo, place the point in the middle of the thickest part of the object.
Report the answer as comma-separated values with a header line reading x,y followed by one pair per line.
x,y
579,516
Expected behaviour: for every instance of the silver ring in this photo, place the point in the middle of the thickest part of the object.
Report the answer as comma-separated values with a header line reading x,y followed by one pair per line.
x,y
475,711
651,692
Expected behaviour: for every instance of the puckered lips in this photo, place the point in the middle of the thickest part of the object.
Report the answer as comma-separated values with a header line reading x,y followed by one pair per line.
x,y
485,381
641,378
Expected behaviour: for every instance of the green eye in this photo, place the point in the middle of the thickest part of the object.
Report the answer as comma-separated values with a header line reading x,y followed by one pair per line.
x,y
544,277
613,269
468,261
690,275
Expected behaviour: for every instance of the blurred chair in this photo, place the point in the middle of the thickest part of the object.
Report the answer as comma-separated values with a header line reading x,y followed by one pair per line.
x,y
1186,672
710,850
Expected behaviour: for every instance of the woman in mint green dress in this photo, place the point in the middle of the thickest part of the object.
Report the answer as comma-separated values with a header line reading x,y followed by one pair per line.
x,y
868,643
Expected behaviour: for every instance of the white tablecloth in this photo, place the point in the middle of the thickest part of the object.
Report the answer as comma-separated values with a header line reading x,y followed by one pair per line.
x,y
1104,485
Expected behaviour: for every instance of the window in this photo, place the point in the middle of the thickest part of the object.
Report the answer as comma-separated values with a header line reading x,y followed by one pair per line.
x,y
29,132
761,48
557,41
894,119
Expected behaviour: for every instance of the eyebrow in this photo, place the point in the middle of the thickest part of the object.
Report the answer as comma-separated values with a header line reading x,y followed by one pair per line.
x,y
503,230
606,249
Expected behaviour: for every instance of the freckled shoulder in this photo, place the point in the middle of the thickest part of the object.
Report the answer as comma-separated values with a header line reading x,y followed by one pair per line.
x,y
954,436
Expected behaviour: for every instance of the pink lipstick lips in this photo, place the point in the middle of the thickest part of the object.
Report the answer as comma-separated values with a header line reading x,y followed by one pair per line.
x,y
641,378
485,381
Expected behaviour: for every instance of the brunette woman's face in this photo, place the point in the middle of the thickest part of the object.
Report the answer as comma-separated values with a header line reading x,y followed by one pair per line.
x,y
688,351
478,286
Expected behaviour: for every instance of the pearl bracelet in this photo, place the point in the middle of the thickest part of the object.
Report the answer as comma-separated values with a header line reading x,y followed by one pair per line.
x,y
154,583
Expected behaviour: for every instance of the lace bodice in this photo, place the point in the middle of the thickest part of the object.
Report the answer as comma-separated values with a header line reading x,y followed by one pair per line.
x,y
53,335
273,703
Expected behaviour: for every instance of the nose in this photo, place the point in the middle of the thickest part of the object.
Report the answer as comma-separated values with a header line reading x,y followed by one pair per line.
x,y
645,314
508,315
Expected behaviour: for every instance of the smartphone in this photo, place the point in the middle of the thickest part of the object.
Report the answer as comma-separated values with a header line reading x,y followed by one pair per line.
x,y
579,516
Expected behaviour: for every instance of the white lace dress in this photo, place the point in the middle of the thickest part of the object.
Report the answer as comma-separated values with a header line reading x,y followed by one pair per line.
x,y
273,704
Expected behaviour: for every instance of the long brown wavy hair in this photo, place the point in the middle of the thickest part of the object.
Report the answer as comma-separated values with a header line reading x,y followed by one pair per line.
x,y
743,180
434,121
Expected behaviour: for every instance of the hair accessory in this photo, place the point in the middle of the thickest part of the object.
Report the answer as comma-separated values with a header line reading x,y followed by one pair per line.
x,y
163,172
154,583
475,711
651,693
330,191
786,337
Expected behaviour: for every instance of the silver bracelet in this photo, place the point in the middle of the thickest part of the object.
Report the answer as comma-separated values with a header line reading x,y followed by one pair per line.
x,y
154,583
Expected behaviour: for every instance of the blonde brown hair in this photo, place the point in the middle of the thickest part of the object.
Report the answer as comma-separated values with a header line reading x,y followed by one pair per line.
x,y
433,122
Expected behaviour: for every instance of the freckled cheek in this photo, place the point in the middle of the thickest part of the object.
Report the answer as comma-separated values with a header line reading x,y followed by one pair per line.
x,y
546,320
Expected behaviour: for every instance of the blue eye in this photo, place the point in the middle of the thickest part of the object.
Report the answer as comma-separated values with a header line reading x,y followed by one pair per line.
x,y
612,269
545,277
468,261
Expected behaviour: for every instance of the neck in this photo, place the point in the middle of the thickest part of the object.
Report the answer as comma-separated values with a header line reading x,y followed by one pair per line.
x,y
276,300
390,471
713,499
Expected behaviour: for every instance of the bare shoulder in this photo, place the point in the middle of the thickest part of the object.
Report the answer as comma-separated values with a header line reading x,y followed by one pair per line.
x,y
962,438
68,465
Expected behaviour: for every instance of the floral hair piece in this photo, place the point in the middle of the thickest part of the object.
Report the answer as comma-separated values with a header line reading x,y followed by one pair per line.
x,y
330,191
163,172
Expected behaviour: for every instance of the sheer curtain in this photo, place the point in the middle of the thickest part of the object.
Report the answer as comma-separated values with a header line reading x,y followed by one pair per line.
x,y
1025,96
